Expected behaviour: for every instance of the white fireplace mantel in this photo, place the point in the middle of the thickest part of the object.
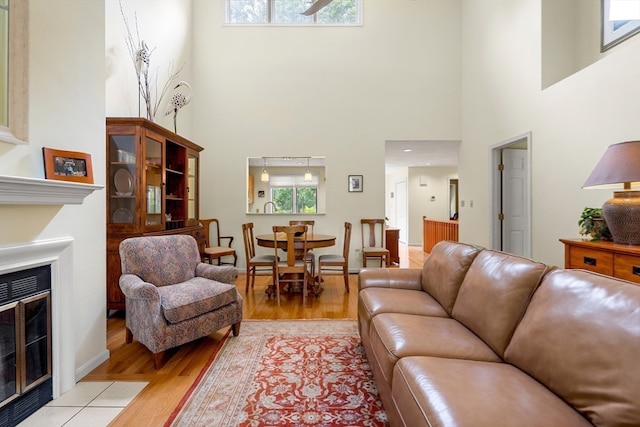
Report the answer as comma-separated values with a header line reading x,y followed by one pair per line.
x,y
17,190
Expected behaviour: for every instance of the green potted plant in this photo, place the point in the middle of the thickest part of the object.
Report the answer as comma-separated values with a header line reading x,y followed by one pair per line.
x,y
592,224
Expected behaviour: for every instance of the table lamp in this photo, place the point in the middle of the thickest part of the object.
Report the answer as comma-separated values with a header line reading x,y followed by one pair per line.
x,y
619,167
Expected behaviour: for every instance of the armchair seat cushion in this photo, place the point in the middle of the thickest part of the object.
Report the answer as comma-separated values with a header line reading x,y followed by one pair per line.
x,y
197,296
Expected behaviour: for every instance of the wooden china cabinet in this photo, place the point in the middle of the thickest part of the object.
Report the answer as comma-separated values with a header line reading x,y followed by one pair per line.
x,y
152,189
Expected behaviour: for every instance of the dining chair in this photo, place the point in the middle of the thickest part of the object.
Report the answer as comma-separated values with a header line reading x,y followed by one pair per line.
x,y
335,263
311,258
373,241
214,248
255,263
293,269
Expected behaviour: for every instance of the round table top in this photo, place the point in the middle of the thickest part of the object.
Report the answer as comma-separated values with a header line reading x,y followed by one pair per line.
x,y
314,240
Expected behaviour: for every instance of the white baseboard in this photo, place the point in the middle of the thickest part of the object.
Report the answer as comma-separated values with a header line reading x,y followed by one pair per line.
x,y
92,364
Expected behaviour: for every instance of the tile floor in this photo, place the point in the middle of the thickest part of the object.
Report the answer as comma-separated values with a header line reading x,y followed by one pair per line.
x,y
88,404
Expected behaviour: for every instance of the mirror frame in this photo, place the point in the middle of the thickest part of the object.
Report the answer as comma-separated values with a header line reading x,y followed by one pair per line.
x,y
17,127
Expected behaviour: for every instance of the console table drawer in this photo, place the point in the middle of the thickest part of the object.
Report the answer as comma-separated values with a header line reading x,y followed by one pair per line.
x,y
627,267
592,260
611,259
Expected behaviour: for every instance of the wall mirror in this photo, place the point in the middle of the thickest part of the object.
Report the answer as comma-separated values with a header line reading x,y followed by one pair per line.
x,y
286,185
14,94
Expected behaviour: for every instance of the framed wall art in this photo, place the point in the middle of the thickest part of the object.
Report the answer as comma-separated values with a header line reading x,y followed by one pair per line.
x,y
67,166
355,183
619,20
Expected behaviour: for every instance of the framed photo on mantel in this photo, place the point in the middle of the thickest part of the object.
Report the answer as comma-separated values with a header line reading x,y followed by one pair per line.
x,y
67,166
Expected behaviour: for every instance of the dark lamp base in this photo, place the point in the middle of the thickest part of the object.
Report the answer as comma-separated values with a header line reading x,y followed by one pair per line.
x,y
622,214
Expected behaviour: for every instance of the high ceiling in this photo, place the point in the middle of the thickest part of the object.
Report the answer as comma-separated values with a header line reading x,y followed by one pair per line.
x,y
421,153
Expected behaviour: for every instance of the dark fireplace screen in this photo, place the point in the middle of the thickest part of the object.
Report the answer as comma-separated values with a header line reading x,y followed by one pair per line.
x,y
25,343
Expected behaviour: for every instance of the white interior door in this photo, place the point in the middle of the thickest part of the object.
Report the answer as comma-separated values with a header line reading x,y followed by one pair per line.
x,y
401,210
515,200
511,195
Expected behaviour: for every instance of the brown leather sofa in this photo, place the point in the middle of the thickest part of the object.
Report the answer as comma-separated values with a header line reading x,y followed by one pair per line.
x,y
484,338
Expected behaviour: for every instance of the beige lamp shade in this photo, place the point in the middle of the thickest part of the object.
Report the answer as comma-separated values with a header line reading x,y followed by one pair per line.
x,y
619,167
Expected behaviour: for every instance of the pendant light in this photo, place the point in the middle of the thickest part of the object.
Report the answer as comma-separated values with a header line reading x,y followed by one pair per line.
x,y
307,174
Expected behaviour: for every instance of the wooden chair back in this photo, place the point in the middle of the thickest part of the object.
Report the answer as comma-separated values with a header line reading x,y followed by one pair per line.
x,y
255,263
372,233
249,241
294,268
214,249
347,241
309,223
333,264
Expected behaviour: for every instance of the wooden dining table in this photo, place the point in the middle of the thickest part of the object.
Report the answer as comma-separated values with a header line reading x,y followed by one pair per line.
x,y
314,240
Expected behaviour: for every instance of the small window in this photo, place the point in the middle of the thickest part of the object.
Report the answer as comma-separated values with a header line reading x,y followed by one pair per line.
x,y
291,194
289,12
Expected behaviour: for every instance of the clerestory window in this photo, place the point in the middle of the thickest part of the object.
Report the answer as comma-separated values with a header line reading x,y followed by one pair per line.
x,y
289,12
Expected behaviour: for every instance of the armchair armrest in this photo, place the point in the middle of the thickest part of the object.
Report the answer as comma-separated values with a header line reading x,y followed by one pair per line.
x,y
134,287
397,278
219,273
227,237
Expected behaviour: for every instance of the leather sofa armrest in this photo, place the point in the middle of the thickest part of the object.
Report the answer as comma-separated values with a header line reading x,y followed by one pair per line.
x,y
397,278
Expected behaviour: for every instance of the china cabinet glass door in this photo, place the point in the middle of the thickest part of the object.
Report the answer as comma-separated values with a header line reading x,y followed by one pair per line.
x,y
122,170
153,183
192,188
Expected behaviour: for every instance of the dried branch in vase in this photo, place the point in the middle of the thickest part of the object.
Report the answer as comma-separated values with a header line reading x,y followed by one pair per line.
x,y
141,58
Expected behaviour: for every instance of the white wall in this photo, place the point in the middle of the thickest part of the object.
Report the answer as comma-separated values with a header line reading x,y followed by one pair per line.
x,y
572,122
165,26
66,111
338,92
419,197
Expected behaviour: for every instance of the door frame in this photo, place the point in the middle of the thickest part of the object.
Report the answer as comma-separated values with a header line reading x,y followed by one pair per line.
x,y
405,209
525,140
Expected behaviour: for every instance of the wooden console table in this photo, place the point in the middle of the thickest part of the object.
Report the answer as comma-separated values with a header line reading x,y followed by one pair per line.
x,y
611,259
391,237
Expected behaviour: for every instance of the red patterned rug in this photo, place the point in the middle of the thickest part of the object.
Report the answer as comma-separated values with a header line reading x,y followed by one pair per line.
x,y
286,373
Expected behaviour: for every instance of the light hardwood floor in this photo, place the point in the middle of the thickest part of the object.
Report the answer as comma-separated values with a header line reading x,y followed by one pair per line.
x,y
168,385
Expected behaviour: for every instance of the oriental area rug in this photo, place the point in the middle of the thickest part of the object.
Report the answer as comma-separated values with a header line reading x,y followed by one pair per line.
x,y
285,373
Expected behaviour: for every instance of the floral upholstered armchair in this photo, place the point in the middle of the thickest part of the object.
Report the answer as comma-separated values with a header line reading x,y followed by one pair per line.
x,y
172,297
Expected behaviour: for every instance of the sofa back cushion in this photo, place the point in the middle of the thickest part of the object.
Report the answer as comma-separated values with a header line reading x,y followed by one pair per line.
x,y
444,270
580,337
160,260
494,295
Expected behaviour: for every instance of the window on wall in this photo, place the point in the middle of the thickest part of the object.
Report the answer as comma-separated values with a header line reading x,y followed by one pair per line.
x,y
291,194
289,12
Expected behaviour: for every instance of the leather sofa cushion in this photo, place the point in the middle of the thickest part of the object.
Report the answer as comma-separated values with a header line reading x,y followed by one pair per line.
x,y
373,301
581,337
445,269
193,298
438,392
494,295
396,335
402,278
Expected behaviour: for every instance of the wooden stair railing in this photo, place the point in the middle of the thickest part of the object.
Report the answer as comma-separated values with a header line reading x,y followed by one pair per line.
x,y
435,231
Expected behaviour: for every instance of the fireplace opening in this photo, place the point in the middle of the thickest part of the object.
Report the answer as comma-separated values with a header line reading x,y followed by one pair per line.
x,y
25,343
